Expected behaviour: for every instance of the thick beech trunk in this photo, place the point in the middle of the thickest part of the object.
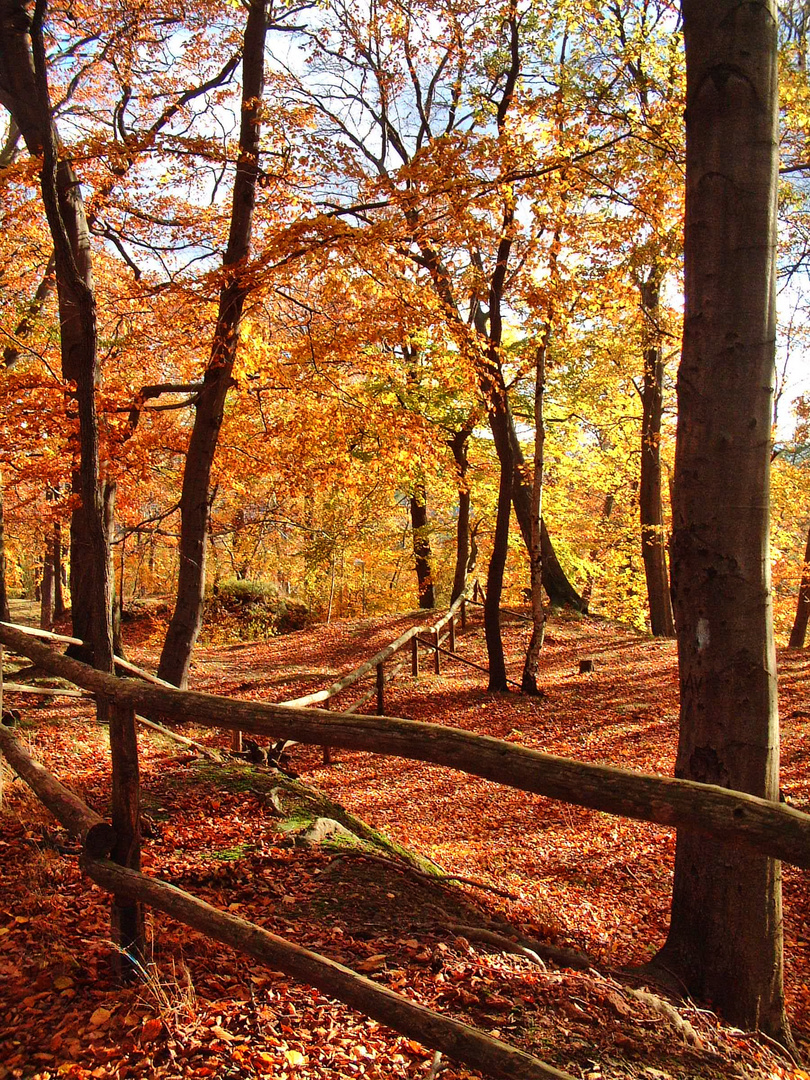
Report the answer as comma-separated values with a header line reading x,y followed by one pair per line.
x,y
653,540
733,816
195,499
532,661
799,630
421,546
725,938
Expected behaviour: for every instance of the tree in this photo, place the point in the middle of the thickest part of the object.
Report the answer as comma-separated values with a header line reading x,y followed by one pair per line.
x,y
725,938
195,500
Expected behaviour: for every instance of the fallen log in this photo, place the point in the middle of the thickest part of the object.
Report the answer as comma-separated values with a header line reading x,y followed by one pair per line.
x,y
184,740
370,665
94,832
732,816
460,1041
453,1038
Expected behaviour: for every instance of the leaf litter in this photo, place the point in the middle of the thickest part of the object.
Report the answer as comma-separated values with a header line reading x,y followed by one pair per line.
x,y
587,884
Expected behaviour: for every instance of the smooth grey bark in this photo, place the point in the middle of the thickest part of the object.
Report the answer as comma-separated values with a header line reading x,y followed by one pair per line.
x,y
725,937
195,499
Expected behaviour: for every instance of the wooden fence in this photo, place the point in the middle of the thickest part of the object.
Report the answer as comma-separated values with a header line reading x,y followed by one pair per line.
x,y
735,817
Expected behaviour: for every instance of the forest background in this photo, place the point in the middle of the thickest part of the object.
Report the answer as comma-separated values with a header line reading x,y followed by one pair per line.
x,y
450,198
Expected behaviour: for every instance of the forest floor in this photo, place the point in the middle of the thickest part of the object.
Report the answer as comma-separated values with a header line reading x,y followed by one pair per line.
x,y
577,879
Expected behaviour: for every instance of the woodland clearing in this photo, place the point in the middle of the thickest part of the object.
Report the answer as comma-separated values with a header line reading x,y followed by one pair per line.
x,y
578,880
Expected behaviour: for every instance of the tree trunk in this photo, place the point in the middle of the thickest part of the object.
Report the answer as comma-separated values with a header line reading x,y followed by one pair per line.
x,y
799,630
5,614
497,564
58,571
195,499
458,445
47,588
24,92
421,545
725,938
532,661
653,542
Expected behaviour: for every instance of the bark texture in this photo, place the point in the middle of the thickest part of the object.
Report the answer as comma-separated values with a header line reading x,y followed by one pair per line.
x,y
24,92
195,498
725,939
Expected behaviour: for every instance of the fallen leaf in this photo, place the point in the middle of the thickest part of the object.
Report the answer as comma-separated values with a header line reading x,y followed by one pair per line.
x,y
100,1017
151,1029
372,963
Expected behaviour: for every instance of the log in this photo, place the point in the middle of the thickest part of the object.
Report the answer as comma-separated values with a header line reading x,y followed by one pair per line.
x,y
206,751
79,820
459,1041
732,816
369,666
51,691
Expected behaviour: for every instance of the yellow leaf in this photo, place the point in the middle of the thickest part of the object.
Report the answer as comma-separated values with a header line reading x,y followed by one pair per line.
x,y
294,1057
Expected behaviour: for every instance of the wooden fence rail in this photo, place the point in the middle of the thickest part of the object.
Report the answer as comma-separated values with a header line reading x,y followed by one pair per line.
x,y
732,816
374,664
459,1041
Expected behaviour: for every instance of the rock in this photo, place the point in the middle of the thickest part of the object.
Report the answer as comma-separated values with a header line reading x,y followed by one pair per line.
x,y
324,828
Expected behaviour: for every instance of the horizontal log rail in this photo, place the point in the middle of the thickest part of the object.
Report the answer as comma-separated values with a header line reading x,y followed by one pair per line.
x,y
79,820
457,1040
371,665
735,817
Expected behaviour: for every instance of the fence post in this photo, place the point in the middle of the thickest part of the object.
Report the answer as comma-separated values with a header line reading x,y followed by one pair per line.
x,y
126,915
380,690
415,656
236,742
452,630
437,666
